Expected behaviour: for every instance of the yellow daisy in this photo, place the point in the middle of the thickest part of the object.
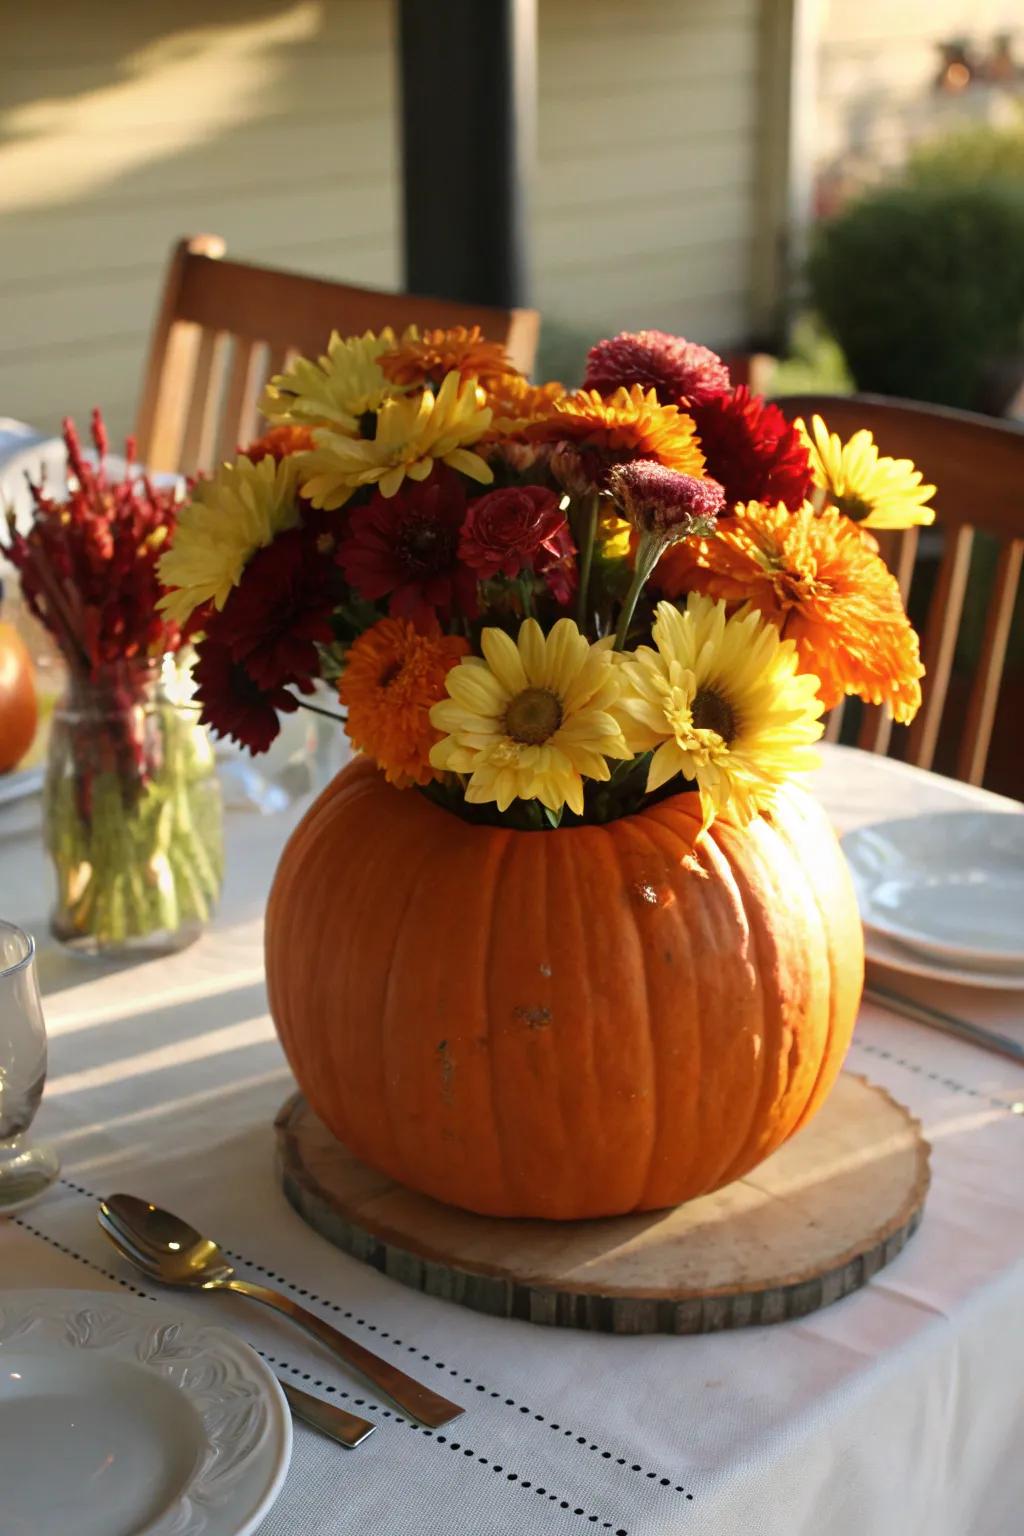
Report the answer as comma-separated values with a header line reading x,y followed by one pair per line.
x,y
411,433
721,702
339,390
228,518
530,721
872,490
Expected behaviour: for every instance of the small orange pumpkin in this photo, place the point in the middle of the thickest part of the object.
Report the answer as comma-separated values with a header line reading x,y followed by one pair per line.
x,y
561,1024
19,711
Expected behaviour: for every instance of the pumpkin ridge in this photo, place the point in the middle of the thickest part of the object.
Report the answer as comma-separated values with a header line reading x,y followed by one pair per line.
x,y
679,827
772,1024
504,847
646,1158
430,846
827,1066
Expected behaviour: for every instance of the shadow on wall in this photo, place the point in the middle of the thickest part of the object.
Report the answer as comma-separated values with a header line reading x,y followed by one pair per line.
x,y
271,125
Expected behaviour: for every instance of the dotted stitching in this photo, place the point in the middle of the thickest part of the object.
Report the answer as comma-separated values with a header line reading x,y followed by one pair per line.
x,y
382,1333
935,1077
441,1439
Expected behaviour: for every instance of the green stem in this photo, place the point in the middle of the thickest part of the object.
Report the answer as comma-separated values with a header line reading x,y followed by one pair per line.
x,y
317,709
526,591
648,553
586,557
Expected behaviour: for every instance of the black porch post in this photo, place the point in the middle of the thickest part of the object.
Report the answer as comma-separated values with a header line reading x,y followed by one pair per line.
x,y
468,84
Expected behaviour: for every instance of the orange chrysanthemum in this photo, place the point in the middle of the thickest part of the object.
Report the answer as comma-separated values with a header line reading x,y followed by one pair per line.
x,y
821,579
278,442
393,675
628,424
422,361
517,403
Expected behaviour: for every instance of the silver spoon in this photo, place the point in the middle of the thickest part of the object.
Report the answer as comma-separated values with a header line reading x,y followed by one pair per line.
x,y
347,1428
168,1250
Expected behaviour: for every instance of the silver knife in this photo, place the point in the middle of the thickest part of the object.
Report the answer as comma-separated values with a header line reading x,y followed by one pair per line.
x,y
347,1428
924,1013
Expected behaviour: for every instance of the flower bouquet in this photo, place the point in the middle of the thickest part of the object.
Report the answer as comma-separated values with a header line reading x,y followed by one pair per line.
x,y
132,814
566,940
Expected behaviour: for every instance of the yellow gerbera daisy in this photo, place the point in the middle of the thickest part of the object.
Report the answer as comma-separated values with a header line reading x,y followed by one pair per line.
x,y
411,433
530,721
721,702
228,518
872,490
337,390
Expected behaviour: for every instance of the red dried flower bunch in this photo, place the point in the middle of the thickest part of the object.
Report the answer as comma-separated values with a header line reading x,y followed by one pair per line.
x,y
88,563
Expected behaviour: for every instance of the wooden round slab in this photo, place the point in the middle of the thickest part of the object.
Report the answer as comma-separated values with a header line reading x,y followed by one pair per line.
x,y
808,1226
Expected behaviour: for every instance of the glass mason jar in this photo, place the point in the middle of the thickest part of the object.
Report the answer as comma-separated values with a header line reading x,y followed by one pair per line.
x,y
132,813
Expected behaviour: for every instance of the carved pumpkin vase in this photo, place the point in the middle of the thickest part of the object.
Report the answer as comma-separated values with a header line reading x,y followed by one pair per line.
x,y
565,1024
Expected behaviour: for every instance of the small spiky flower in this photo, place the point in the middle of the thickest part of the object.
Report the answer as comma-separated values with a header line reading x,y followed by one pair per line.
x,y
679,371
661,501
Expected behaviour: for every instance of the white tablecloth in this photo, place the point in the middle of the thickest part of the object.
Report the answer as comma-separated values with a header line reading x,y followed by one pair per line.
x,y
897,1412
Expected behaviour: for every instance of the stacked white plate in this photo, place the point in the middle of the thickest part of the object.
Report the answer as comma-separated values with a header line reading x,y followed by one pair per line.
x,y
119,1418
942,895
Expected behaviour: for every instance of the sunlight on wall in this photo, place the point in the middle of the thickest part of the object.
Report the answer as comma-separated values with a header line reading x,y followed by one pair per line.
x,y
220,73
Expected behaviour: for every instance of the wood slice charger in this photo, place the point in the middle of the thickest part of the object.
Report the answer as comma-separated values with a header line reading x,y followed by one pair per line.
x,y
811,1224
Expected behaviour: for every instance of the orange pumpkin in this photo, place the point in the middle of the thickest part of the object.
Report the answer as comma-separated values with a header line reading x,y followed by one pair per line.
x,y
561,1024
19,711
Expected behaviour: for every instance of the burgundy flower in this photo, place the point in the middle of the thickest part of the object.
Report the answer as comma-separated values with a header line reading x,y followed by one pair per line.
x,y
681,372
753,450
406,548
556,564
233,703
506,531
280,611
659,500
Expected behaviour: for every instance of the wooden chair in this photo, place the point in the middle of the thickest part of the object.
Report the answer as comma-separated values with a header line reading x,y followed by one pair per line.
x,y
223,327
977,465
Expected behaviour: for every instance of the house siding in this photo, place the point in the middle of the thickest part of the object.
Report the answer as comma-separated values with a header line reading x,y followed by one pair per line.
x,y
275,126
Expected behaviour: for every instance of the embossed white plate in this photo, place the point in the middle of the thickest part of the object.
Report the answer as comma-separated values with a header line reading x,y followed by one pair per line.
x,y
118,1418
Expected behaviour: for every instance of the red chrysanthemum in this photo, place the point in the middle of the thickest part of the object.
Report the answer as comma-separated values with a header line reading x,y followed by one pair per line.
x,y
680,372
280,611
406,548
506,530
233,704
752,450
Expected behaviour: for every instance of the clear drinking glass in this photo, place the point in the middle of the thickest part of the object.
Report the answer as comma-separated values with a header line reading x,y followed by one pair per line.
x,y
25,1171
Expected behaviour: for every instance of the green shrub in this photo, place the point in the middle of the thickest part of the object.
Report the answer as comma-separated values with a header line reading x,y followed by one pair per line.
x,y
923,286
968,157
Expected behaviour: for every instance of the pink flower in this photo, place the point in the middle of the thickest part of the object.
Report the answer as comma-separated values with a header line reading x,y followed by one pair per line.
x,y
511,530
662,501
680,372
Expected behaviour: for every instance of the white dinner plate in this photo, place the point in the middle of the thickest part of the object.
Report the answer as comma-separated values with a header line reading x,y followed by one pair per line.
x,y
118,1418
949,886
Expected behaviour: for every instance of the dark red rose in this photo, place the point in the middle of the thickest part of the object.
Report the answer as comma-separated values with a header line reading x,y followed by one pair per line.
x,y
556,564
506,531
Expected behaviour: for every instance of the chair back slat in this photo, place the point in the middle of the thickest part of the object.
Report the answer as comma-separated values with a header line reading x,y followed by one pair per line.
x,y
977,464
188,416
981,710
939,642
240,418
204,408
